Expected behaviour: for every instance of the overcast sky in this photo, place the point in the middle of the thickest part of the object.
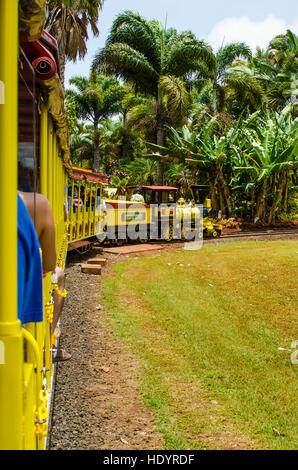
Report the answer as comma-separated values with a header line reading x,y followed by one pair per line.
x,y
216,21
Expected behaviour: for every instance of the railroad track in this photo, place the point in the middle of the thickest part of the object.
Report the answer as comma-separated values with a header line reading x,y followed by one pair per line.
x,y
87,246
260,233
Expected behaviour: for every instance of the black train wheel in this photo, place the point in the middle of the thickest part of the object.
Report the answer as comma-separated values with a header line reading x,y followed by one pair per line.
x,y
215,234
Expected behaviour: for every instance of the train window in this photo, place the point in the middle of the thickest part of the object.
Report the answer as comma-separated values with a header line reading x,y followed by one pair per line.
x,y
154,197
168,197
148,196
197,196
27,131
164,197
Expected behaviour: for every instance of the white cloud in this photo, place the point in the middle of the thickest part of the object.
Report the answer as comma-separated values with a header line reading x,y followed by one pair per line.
x,y
253,33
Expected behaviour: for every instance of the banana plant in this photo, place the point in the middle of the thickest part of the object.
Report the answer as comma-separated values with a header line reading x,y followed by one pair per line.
x,y
267,154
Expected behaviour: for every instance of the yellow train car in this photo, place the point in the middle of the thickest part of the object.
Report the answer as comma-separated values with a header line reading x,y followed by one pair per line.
x,y
34,157
85,216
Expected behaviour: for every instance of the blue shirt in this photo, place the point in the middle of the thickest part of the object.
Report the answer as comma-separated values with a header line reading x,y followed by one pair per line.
x,y
30,298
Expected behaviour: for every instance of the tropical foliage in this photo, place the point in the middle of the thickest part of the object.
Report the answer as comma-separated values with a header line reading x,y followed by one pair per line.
x,y
68,21
157,62
162,106
96,99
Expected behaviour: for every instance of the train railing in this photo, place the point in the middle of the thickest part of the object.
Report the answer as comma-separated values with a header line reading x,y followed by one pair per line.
x,y
39,338
11,342
26,372
85,214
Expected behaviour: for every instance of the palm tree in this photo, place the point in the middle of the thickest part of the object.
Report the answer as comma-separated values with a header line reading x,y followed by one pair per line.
x,y
275,70
282,55
142,171
68,22
81,144
179,175
244,92
142,118
120,184
96,98
283,49
156,61
225,57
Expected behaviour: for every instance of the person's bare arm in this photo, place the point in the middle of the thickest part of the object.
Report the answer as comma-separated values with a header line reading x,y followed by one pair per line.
x,y
41,214
47,235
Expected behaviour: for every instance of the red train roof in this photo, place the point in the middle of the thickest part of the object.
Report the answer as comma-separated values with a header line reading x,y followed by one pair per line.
x,y
83,173
158,188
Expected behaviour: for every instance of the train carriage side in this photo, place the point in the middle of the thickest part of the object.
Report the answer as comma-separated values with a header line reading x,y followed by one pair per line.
x,y
34,156
85,212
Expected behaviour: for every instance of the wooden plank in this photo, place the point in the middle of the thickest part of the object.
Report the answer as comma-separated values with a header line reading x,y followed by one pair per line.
x,y
75,245
91,268
101,261
124,250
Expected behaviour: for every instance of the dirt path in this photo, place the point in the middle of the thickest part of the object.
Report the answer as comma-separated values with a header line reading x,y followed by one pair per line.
x,y
98,401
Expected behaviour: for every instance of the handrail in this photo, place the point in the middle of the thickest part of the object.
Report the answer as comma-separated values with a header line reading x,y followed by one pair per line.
x,y
31,340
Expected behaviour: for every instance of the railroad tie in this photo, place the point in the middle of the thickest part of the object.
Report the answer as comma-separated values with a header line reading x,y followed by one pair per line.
x,y
99,249
91,268
101,261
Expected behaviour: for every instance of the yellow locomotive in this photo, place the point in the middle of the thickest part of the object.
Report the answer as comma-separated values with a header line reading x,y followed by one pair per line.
x,y
199,194
155,212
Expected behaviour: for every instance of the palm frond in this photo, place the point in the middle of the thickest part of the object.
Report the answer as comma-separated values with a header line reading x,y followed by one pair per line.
x,y
131,29
186,56
176,97
226,55
127,63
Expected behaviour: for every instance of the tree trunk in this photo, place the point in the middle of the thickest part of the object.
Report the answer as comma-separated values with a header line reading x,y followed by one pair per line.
x,y
62,66
214,98
221,198
272,183
252,204
160,138
286,192
96,164
226,192
124,138
277,203
261,202
213,195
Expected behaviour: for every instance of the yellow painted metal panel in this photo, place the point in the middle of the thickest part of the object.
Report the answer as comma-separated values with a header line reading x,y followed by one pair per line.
x,y
49,159
44,151
11,343
29,407
8,161
11,392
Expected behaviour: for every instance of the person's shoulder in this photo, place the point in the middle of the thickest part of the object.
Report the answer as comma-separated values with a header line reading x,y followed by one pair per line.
x,y
26,230
43,206
36,199
42,201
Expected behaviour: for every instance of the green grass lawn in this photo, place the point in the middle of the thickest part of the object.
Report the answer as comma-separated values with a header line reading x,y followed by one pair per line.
x,y
206,326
